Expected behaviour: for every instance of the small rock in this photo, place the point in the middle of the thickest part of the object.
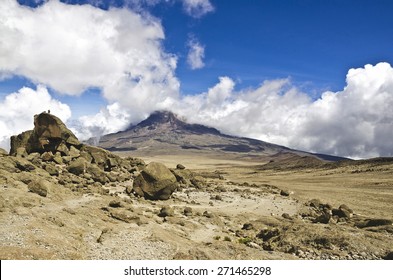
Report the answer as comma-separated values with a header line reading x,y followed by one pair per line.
x,y
166,211
98,175
69,211
66,159
300,254
363,254
24,166
284,193
268,233
125,216
324,218
115,204
74,152
180,166
315,203
58,159
87,176
327,206
345,207
389,256
47,156
378,222
39,187
33,157
55,221
63,150
77,167
342,213
187,211
208,214
248,226
253,245
51,170
286,216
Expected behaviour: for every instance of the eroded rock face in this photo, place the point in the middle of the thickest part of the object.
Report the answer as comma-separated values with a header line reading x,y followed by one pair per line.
x,y
155,182
20,141
49,135
51,152
49,132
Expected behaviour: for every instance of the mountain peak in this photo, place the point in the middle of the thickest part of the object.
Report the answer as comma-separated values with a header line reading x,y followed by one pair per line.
x,y
160,117
164,132
168,121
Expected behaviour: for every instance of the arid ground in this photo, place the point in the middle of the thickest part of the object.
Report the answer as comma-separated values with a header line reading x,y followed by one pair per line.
x,y
237,215
82,202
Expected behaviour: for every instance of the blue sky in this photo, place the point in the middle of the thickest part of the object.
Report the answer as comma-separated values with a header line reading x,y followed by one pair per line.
x,y
294,52
311,41
314,42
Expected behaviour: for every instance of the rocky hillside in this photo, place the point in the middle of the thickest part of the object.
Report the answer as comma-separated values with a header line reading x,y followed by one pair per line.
x,y
164,133
52,149
61,199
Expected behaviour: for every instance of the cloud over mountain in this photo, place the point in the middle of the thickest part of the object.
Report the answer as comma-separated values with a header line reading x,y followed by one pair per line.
x,y
120,52
356,122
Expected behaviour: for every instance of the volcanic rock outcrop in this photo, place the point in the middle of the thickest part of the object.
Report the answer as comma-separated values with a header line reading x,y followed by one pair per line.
x,y
49,135
51,147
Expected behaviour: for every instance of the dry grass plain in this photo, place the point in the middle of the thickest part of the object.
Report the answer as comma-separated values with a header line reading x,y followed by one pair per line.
x,y
238,213
366,187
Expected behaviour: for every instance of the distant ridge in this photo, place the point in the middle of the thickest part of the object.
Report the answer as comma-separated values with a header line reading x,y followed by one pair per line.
x,y
164,133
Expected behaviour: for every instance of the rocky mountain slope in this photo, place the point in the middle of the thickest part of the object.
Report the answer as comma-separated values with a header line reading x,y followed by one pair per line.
x,y
61,199
164,133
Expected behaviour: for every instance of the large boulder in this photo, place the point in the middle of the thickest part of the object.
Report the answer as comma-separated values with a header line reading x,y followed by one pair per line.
x,y
96,173
50,131
155,182
77,167
49,135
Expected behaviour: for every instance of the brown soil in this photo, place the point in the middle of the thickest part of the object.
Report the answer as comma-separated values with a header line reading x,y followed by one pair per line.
x,y
68,224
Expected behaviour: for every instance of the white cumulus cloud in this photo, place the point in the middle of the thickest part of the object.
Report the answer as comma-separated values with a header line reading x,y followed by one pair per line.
x,y
112,118
355,122
18,108
196,54
197,8
73,47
